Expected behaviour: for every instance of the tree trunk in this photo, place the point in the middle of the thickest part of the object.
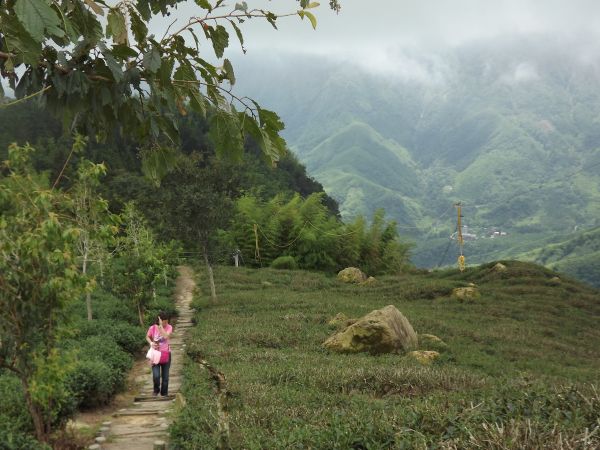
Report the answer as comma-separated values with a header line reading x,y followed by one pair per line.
x,y
211,279
88,295
37,416
140,314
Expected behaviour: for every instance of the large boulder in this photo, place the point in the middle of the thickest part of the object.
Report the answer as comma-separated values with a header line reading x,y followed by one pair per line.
x,y
351,275
383,330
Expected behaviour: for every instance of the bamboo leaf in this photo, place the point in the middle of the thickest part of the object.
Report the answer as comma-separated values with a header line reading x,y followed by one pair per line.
x,y
311,17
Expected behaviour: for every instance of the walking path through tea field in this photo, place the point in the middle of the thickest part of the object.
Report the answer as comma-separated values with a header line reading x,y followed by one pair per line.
x,y
146,420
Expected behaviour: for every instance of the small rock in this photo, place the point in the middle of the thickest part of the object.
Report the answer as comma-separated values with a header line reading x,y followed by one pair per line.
x,y
266,284
555,280
337,320
499,267
432,342
465,293
471,284
100,440
425,357
369,281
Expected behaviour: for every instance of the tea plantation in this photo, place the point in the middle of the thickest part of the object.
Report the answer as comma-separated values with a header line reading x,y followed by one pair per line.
x,y
521,368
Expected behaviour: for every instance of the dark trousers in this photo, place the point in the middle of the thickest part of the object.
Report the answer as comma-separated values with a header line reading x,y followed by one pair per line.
x,y
161,371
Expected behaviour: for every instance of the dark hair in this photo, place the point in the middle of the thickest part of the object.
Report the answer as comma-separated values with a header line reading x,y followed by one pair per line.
x,y
164,315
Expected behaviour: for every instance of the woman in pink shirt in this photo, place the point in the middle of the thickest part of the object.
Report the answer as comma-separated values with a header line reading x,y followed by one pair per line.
x,y
158,338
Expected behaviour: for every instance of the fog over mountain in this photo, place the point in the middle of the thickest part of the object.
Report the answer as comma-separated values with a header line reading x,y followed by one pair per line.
x,y
509,126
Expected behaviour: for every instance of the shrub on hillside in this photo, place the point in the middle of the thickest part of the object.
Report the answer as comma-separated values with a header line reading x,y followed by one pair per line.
x,y
129,337
105,349
16,427
107,306
92,383
285,263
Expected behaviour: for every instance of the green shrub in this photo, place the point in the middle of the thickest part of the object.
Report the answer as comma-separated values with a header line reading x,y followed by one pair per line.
x,y
284,262
93,383
106,306
106,350
129,337
16,427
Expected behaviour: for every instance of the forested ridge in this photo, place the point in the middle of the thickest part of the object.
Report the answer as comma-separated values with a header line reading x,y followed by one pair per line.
x,y
212,204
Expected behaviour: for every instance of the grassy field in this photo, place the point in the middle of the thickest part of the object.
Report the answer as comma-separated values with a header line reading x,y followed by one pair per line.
x,y
522,369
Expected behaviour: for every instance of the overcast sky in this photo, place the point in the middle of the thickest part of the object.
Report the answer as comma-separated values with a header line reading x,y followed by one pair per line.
x,y
376,31
380,24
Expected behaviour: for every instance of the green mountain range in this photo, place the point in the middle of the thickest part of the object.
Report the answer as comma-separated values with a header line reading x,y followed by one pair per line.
x,y
509,128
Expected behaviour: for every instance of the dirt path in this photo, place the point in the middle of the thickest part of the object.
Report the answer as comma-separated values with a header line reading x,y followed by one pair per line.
x,y
145,420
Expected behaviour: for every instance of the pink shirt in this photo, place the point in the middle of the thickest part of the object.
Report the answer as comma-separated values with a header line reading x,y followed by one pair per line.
x,y
154,334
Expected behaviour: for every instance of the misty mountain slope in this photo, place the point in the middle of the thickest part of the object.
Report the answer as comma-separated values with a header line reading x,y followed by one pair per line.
x,y
385,172
578,256
510,128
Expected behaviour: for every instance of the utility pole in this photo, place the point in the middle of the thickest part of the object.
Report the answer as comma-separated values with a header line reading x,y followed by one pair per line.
x,y
459,236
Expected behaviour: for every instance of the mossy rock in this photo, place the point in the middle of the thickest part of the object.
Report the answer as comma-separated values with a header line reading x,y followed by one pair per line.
x,y
340,320
383,330
432,342
466,293
369,281
499,267
425,357
351,275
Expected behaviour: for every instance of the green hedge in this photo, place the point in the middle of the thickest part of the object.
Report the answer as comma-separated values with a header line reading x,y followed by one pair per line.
x,y
285,262
93,383
129,337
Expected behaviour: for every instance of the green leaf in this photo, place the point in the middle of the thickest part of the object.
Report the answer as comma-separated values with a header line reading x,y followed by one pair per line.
x,y
19,42
204,4
197,101
158,162
116,26
86,23
38,17
165,71
95,7
241,6
228,68
123,52
138,27
151,61
238,32
185,72
226,135
311,17
115,68
219,38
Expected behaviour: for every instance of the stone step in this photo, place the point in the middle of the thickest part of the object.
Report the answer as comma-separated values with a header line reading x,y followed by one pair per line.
x,y
152,398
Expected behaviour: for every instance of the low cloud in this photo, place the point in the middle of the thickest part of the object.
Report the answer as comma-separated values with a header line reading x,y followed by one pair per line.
x,y
523,73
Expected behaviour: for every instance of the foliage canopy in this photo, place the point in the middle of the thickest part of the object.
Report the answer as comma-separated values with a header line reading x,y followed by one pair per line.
x,y
97,64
